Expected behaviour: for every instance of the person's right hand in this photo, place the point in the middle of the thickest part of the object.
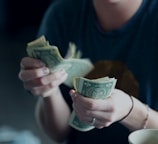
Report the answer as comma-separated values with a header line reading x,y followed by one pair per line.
x,y
37,78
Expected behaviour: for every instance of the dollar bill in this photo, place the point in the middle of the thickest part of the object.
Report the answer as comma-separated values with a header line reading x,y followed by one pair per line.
x,y
97,89
50,55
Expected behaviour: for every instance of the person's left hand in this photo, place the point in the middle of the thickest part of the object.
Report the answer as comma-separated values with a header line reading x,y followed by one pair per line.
x,y
105,112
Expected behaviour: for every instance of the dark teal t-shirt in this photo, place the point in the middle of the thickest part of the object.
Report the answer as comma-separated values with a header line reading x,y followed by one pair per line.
x,y
135,44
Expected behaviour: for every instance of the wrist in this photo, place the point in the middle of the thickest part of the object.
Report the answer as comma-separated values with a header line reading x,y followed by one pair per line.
x,y
52,93
145,122
130,110
138,118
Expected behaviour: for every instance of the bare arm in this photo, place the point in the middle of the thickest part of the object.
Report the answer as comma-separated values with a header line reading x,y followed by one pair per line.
x,y
140,116
113,109
52,114
52,110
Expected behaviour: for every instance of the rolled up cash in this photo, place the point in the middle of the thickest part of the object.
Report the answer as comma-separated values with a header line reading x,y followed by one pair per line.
x,y
50,55
100,88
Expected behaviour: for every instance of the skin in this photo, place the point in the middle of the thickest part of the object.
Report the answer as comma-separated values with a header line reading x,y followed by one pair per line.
x,y
53,112
37,79
113,14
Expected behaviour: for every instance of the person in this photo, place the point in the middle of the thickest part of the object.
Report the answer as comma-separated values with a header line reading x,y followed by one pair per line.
x,y
106,31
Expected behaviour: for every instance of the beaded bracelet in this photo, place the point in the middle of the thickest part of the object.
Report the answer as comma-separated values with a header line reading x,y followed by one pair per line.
x,y
129,110
147,118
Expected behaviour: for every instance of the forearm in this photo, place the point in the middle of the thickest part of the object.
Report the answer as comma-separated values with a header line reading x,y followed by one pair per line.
x,y
141,116
53,114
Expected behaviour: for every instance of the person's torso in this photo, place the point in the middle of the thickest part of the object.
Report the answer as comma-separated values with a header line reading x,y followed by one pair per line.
x,y
134,44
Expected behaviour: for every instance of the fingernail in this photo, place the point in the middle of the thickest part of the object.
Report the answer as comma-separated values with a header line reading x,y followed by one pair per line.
x,y
73,93
45,71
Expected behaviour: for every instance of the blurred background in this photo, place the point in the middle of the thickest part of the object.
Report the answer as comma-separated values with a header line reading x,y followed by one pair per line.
x,y
19,22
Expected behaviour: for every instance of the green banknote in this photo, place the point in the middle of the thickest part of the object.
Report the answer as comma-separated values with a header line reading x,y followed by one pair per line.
x,y
97,89
50,55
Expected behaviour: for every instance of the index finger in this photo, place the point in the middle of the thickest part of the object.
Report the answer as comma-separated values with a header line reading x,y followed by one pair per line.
x,y
27,63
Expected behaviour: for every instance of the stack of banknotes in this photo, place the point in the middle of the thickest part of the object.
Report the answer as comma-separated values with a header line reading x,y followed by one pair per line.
x,y
77,68
100,88
50,55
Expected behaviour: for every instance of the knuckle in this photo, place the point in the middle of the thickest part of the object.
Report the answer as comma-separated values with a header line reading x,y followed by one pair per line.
x,y
55,83
56,75
112,107
42,81
23,62
91,105
52,84
110,119
21,75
